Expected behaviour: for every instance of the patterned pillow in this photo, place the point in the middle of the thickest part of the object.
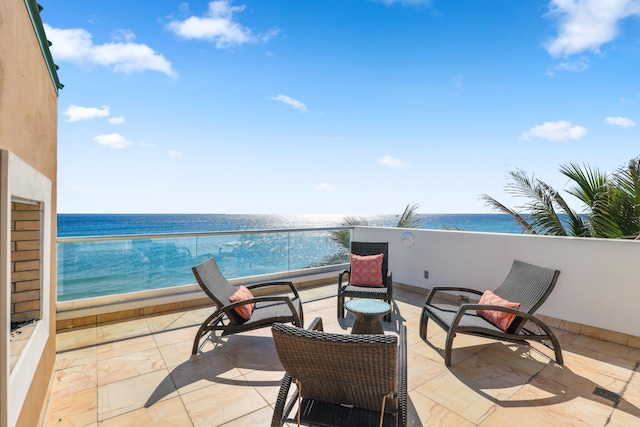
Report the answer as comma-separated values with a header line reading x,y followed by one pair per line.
x,y
240,295
366,270
499,318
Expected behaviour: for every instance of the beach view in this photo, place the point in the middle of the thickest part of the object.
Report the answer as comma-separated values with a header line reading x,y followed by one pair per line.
x,y
324,212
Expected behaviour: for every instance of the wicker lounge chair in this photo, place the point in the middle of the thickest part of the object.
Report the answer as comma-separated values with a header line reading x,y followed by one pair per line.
x,y
268,309
341,380
528,284
348,290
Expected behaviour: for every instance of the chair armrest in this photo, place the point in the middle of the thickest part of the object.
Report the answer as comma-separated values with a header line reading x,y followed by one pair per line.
x,y
281,298
437,289
316,325
341,275
265,284
526,316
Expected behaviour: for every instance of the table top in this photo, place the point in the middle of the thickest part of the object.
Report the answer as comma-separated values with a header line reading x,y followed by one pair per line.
x,y
367,306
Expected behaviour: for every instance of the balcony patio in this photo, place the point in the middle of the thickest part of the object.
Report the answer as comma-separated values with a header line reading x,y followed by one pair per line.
x,y
139,372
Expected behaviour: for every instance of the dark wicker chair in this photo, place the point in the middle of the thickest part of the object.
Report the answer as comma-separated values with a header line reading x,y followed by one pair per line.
x,y
528,284
341,380
268,309
347,290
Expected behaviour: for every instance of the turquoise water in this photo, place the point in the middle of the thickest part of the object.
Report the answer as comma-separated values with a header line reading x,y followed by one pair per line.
x,y
99,268
123,224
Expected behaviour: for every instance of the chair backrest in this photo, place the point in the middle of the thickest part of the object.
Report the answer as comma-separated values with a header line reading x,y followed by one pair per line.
x,y
374,248
528,284
215,285
356,370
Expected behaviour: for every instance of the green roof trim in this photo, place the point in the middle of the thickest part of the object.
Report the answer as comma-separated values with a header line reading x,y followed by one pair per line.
x,y
34,12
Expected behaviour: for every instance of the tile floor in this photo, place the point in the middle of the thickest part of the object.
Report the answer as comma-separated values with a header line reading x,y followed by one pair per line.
x,y
140,373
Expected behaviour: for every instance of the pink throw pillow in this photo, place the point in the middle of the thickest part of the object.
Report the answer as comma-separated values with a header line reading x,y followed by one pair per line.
x,y
499,318
240,295
366,270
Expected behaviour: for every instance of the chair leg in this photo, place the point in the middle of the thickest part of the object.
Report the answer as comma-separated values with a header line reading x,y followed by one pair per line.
x,y
196,341
424,319
340,307
447,348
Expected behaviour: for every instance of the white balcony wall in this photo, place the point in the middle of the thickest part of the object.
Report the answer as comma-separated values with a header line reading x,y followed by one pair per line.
x,y
599,283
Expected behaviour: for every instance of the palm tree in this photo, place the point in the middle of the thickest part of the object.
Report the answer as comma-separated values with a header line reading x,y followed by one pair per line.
x,y
611,202
408,219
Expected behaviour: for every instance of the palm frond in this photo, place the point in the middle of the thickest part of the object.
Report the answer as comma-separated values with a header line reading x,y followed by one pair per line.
x,y
409,218
496,205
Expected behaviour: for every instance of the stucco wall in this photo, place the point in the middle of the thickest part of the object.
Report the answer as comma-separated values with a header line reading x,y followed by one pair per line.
x,y
598,285
28,128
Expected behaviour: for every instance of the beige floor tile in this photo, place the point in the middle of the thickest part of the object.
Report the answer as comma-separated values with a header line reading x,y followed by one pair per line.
x,y
266,381
129,365
73,380
121,330
76,338
423,411
261,417
204,371
134,393
220,403
186,334
595,365
422,368
175,354
83,356
73,410
490,383
459,395
622,418
255,356
167,413
169,321
125,346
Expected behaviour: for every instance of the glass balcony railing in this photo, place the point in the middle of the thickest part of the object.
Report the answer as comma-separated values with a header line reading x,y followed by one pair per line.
x,y
108,265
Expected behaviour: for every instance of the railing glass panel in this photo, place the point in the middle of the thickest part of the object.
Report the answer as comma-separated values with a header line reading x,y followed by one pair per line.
x,y
101,266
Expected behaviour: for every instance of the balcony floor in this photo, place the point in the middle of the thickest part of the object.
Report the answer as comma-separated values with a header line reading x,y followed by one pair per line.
x,y
139,372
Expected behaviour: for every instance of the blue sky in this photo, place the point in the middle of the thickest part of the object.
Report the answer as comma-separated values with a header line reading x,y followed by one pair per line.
x,y
336,106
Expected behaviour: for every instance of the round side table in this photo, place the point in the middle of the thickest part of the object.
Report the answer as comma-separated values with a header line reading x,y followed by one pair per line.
x,y
368,314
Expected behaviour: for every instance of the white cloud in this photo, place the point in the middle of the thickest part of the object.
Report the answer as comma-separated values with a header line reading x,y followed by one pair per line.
x,y
324,187
112,140
560,130
575,66
290,101
76,46
218,26
620,121
588,24
116,120
147,145
75,113
174,153
391,162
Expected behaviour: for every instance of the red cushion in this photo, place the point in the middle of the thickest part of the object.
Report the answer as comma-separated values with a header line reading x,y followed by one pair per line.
x,y
366,270
240,295
499,318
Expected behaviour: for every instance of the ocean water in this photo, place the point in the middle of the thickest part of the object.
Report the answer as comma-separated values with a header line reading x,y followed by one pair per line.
x,y
123,265
126,224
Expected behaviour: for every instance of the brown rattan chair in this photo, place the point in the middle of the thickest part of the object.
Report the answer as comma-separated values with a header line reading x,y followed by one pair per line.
x,y
341,380
346,290
268,309
528,284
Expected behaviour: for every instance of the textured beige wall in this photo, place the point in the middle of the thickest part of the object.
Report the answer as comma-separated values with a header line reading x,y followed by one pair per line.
x,y
28,128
